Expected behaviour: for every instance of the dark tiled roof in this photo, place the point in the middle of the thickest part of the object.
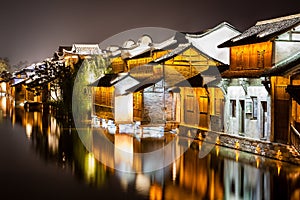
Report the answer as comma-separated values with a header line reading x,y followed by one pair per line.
x,y
62,48
263,31
284,67
175,52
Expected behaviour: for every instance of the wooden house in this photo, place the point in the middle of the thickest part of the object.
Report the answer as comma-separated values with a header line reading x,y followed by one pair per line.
x,y
257,106
290,69
129,68
22,91
175,93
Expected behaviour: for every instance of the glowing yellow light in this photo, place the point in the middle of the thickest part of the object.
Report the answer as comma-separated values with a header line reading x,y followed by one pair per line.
x,y
174,172
237,145
53,142
257,149
257,161
200,137
278,168
142,184
28,130
3,87
236,155
90,165
3,105
278,155
155,192
200,145
124,151
217,150
218,140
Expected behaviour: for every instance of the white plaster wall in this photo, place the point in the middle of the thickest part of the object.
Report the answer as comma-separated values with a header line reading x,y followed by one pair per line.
x,y
123,108
285,49
252,127
231,123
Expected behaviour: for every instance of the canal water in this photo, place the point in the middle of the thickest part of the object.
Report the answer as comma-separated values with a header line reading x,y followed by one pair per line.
x,y
42,157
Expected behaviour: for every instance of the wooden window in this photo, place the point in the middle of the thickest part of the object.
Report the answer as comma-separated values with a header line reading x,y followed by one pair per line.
x,y
203,104
296,111
190,103
260,59
233,108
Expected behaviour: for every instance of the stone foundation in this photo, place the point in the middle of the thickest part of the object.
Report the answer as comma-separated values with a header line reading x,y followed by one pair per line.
x,y
268,149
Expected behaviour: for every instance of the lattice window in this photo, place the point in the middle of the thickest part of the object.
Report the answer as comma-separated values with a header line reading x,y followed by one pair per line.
x,y
260,59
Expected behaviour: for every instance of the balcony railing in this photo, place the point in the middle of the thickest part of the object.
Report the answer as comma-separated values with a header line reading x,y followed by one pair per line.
x,y
295,138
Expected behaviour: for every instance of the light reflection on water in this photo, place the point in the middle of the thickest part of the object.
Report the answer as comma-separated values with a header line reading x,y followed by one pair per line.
x,y
222,174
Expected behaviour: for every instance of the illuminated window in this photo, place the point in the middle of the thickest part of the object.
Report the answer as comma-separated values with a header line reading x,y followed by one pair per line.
x,y
233,108
203,104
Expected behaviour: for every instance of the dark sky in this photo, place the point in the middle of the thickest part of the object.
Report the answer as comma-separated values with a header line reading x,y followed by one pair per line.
x,y
32,30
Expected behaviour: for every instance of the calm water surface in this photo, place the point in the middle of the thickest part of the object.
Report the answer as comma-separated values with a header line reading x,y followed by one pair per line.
x,y
43,158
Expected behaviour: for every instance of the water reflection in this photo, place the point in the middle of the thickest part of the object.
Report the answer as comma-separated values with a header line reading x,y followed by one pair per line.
x,y
222,174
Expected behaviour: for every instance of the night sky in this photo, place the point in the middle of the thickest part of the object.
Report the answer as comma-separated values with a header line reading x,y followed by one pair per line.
x,y
32,30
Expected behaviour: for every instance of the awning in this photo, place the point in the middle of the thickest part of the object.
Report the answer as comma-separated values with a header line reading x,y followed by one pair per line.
x,y
294,91
105,80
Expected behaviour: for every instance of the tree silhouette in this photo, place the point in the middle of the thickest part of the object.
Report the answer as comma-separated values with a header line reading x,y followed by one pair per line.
x,y
4,64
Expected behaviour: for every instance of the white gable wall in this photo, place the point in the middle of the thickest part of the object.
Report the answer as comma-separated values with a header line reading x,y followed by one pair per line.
x,y
208,42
